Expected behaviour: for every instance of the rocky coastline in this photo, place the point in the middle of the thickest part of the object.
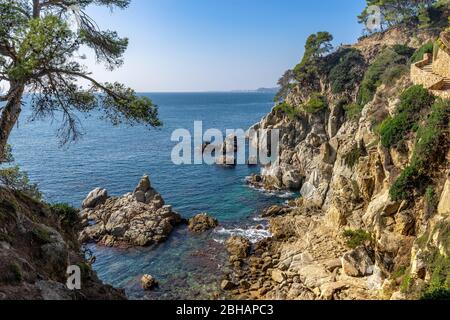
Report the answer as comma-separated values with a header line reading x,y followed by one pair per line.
x,y
345,238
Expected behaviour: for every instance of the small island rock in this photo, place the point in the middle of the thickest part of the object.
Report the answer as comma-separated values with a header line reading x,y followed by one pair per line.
x,y
202,223
148,282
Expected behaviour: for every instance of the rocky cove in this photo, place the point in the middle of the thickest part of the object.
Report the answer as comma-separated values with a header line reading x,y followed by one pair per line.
x,y
141,222
363,170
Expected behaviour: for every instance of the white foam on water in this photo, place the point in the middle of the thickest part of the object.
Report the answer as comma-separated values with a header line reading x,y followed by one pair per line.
x,y
283,194
260,219
252,234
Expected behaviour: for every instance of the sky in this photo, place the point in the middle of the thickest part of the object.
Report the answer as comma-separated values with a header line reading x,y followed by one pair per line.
x,y
219,45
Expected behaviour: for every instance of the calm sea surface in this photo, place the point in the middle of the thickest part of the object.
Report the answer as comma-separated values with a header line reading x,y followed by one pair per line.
x,y
115,158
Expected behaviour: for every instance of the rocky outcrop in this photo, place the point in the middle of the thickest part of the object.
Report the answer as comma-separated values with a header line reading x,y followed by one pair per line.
x,y
345,175
357,263
135,219
37,245
202,223
95,198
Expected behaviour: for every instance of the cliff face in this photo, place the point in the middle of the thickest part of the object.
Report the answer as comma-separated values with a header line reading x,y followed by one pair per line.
x,y
346,238
37,244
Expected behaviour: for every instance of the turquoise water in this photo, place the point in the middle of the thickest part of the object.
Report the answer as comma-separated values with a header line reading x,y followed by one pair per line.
x,y
115,158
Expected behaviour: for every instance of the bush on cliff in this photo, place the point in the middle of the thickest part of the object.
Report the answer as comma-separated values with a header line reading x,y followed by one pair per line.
x,y
420,53
393,129
290,111
346,74
352,157
381,69
432,144
66,213
356,238
353,111
316,103
413,101
15,179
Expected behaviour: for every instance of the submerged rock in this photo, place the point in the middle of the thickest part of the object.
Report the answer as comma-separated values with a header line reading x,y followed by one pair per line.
x,y
148,282
135,219
202,223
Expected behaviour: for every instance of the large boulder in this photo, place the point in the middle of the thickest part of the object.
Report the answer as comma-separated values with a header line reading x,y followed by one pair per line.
x,y
137,219
202,223
357,263
95,198
238,246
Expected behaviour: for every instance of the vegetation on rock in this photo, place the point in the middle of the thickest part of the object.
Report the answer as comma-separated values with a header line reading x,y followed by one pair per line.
x,y
290,111
420,53
413,102
316,103
356,238
432,144
346,74
387,67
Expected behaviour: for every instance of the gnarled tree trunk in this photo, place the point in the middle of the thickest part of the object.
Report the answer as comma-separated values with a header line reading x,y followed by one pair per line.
x,y
9,116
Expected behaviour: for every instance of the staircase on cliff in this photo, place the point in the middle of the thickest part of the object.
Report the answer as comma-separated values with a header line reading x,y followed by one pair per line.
x,y
423,73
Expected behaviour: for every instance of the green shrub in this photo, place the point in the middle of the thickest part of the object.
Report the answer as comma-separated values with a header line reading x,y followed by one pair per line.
x,y
316,103
353,111
439,284
393,130
415,99
431,146
403,50
392,74
432,138
290,111
419,54
67,213
14,178
380,69
347,72
356,238
402,188
439,294
406,283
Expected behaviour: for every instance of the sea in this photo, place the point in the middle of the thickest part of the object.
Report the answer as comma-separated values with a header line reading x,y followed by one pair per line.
x,y
187,266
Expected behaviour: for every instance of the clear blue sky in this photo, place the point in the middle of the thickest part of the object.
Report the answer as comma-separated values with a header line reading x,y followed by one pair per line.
x,y
208,45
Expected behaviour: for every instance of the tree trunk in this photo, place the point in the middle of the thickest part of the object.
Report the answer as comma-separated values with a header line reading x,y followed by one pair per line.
x,y
9,117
